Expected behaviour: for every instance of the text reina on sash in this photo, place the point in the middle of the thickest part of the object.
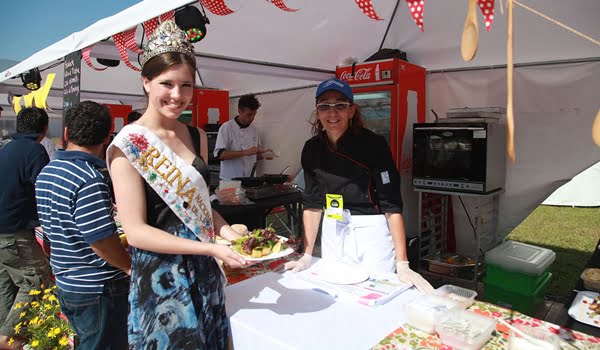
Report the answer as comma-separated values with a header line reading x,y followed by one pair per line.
x,y
173,173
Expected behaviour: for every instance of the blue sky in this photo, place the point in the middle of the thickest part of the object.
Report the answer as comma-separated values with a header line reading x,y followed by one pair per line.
x,y
27,26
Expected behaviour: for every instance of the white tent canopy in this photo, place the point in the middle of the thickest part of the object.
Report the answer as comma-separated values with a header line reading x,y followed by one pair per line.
x,y
262,49
581,191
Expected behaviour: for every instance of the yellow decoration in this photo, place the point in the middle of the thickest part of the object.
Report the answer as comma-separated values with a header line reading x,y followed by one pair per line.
x,y
38,97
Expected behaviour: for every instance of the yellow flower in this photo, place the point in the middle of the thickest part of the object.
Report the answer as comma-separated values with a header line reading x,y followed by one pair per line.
x,y
18,305
46,296
53,298
53,287
51,334
11,341
47,290
34,321
21,314
18,327
56,330
47,306
35,343
63,341
35,304
34,292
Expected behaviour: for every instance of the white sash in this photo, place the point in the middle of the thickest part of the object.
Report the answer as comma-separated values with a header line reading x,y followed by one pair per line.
x,y
180,185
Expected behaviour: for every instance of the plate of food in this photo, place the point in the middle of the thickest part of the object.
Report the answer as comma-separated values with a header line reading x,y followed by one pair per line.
x,y
586,308
261,244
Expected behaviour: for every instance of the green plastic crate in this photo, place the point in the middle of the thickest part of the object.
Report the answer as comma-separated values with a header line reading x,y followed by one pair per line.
x,y
525,303
513,281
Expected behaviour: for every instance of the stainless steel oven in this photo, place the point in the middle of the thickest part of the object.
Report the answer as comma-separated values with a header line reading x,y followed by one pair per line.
x,y
459,156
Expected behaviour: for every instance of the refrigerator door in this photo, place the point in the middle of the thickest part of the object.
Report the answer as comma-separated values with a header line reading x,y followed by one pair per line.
x,y
377,104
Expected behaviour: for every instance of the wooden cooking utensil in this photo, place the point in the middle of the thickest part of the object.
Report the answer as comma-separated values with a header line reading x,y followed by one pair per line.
x,y
510,118
470,35
596,129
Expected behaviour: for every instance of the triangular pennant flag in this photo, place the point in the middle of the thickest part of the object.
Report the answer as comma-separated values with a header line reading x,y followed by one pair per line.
x,y
150,25
281,5
367,7
217,7
417,7
487,9
119,39
86,57
167,16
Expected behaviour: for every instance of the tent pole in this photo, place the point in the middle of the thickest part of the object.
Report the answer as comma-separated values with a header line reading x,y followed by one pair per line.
x,y
387,30
517,65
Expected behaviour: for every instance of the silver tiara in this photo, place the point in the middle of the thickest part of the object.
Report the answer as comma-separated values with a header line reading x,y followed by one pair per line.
x,y
167,38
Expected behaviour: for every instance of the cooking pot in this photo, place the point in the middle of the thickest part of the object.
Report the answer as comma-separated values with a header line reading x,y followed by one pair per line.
x,y
274,179
251,181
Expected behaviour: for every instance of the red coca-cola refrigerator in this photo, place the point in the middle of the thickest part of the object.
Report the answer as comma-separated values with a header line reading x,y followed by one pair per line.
x,y
391,96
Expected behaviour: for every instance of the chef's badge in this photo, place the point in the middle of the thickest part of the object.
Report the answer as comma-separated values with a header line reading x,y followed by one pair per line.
x,y
385,177
334,208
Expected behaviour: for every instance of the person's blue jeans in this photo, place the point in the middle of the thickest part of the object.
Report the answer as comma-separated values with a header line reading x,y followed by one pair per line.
x,y
100,320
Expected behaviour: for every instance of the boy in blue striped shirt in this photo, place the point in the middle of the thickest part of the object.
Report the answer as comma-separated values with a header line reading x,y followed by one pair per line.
x,y
75,209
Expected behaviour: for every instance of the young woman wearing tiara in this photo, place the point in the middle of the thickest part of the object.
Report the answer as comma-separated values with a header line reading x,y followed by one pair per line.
x,y
176,297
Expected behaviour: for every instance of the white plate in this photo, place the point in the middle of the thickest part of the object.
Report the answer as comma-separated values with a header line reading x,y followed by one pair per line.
x,y
338,273
271,256
580,309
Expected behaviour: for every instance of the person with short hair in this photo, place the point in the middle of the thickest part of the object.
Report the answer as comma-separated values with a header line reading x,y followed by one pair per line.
x,y
75,207
238,145
133,116
23,265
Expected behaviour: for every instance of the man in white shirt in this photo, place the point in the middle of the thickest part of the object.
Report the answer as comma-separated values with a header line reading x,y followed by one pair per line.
x,y
238,145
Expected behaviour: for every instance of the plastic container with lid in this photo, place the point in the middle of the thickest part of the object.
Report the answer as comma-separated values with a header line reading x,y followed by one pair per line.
x,y
423,313
521,257
591,279
465,330
464,297
539,339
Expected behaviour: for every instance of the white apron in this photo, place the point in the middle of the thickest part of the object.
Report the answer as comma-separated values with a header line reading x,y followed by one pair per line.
x,y
364,240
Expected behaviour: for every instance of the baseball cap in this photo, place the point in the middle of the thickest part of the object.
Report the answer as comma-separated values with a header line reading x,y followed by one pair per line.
x,y
335,84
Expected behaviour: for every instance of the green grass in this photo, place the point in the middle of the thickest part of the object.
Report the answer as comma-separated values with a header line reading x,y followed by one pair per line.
x,y
572,233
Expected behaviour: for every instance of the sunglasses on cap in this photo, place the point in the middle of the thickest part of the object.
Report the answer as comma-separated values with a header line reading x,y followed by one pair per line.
x,y
339,106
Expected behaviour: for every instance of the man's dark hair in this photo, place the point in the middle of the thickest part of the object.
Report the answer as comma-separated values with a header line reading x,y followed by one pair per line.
x,y
248,101
32,120
88,123
133,116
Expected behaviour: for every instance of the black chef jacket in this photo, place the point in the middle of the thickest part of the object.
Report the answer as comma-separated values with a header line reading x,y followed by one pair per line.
x,y
357,171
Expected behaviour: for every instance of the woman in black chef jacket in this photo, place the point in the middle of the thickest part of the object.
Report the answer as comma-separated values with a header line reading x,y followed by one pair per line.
x,y
351,177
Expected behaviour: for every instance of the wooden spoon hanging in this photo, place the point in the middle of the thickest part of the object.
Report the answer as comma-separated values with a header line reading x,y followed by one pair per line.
x,y
470,35
510,117
596,129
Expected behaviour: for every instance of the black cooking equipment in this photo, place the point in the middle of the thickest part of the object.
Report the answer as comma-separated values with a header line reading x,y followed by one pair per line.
x,y
274,179
251,181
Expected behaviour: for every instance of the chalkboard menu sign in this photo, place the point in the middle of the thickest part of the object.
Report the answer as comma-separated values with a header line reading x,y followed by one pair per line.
x,y
72,80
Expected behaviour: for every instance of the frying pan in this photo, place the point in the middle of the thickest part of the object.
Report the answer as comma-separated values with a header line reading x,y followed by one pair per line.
x,y
274,179
251,181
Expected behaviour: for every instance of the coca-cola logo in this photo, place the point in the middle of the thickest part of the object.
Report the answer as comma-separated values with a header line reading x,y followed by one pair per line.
x,y
359,74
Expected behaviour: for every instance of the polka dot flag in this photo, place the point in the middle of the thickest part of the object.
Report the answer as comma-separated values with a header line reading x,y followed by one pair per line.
x,y
167,16
129,36
119,39
281,5
487,9
367,7
217,7
150,25
86,57
416,10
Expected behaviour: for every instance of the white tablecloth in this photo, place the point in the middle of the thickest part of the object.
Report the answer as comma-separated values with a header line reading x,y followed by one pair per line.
x,y
281,311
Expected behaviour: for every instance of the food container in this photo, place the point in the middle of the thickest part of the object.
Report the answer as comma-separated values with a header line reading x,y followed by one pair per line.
x,y
543,339
450,264
424,312
464,297
520,257
464,330
591,279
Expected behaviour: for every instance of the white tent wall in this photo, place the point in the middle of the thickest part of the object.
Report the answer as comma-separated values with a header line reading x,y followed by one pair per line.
x,y
582,191
555,107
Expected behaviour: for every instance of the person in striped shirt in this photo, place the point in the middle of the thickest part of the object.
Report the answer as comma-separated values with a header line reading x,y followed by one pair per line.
x,y
75,209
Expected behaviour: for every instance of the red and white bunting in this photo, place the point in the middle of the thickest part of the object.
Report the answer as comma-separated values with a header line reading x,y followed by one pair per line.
x,y
281,5
150,25
129,36
167,16
367,7
86,57
119,39
217,7
487,9
417,7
